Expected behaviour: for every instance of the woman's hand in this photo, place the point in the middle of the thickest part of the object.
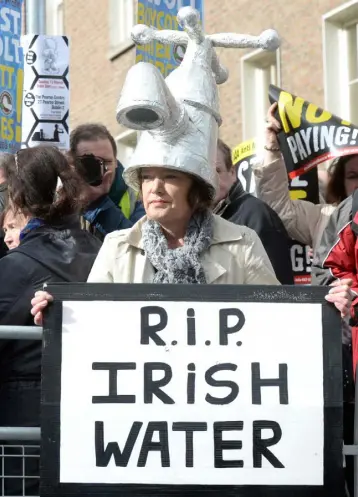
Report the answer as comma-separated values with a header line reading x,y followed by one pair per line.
x,y
39,303
273,127
341,296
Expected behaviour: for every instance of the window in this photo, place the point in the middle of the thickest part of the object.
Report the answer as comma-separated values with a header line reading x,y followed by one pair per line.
x,y
126,143
258,70
54,17
340,57
121,21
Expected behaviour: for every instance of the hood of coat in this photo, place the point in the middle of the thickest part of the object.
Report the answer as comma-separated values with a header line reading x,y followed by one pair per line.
x,y
65,250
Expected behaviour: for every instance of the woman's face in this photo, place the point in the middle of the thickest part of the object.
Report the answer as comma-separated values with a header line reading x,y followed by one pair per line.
x,y
351,175
12,227
165,194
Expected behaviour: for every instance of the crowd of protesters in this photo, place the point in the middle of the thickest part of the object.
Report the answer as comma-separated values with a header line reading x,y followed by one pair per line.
x,y
71,217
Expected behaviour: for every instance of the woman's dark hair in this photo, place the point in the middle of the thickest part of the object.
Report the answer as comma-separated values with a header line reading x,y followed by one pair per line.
x,y
336,191
90,132
33,175
226,151
200,196
3,215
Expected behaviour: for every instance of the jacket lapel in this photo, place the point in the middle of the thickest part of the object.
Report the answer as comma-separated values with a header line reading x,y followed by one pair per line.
x,y
215,263
217,260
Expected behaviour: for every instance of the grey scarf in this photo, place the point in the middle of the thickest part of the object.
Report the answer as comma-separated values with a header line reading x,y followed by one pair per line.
x,y
180,265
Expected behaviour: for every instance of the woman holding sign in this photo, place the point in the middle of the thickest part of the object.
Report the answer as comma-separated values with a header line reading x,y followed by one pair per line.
x,y
303,220
180,241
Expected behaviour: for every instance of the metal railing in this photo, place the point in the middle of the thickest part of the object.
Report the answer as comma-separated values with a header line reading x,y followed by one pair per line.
x,y
19,447
34,434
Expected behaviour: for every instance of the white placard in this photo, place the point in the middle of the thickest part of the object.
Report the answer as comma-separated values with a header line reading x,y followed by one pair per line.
x,y
271,335
46,95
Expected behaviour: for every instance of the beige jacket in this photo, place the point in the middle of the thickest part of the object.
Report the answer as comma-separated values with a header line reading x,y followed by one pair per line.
x,y
303,220
236,256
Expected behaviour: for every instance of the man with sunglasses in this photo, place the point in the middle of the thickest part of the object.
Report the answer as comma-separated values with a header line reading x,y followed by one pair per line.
x,y
111,204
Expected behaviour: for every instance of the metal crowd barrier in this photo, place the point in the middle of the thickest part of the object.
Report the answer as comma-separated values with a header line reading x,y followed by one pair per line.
x,y
19,447
23,453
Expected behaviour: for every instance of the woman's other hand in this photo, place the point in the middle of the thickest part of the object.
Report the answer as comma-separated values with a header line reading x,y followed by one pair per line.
x,y
273,127
341,296
39,303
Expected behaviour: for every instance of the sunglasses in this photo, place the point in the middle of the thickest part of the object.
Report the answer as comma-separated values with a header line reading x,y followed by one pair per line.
x,y
91,168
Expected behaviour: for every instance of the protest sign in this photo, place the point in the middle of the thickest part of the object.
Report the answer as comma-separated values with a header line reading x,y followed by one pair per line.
x,y
245,156
310,135
162,14
191,390
11,75
46,95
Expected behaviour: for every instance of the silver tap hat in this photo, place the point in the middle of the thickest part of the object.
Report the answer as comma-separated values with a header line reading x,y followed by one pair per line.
x,y
179,116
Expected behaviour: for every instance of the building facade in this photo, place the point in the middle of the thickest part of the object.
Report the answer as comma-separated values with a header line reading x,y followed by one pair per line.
x,y
318,58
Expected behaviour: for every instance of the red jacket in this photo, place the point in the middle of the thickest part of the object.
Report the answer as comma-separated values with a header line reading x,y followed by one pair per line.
x,y
337,256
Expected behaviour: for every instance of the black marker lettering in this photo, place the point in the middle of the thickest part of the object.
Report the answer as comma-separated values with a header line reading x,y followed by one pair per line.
x,y
221,383
103,455
162,446
190,391
258,383
220,444
148,331
189,429
191,326
260,445
225,329
153,387
113,397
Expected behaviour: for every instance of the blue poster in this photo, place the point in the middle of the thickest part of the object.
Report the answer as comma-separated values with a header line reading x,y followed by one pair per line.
x,y
162,14
11,75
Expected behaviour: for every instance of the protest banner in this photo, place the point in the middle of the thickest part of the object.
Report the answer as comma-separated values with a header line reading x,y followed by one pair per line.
x,y
191,390
11,75
46,96
162,14
310,135
245,156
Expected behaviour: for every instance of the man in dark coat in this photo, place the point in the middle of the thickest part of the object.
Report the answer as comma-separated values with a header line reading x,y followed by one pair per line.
x,y
240,207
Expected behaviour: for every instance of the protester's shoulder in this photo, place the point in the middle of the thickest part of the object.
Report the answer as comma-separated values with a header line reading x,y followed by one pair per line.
x,y
117,237
256,207
118,242
17,264
339,214
327,209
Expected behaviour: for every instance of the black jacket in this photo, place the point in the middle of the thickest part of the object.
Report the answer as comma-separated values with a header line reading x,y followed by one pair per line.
x,y
242,208
45,255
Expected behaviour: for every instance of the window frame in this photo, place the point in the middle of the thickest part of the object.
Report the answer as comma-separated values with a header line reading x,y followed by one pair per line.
x,y
256,59
53,9
336,58
119,46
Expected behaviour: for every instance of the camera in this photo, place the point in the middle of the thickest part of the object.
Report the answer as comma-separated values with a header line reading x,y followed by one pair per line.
x,y
91,168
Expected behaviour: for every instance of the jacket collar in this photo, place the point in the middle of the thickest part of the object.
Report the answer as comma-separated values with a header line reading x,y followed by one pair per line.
x,y
235,193
223,232
216,261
